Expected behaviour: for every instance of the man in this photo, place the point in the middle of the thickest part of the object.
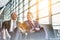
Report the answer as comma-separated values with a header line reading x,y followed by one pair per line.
x,y
32,24
10,27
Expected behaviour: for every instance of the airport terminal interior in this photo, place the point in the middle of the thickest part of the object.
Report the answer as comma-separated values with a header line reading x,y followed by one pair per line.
x,y
46,11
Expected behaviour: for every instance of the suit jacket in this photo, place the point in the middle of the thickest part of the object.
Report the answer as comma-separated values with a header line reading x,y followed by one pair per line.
x,y
36,25
7,25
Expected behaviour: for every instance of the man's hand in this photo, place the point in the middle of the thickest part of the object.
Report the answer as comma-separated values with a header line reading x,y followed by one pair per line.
x,y
8,34
4,34
37,29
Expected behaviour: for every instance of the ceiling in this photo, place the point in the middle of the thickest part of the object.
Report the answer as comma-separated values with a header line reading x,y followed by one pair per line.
x,y
3,3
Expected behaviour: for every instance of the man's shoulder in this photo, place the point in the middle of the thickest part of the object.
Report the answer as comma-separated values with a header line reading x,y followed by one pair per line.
x,y
6,21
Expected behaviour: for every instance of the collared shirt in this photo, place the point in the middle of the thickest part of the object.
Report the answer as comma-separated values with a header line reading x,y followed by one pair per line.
x,y
13,25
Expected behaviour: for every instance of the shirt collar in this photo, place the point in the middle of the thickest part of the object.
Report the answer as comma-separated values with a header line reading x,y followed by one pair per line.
x,y
13,20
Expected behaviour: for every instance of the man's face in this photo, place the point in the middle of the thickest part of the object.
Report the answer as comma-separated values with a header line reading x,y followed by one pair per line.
x,y
29,16
14,16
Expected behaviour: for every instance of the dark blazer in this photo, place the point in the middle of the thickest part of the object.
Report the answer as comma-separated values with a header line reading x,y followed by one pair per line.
x,y
6,25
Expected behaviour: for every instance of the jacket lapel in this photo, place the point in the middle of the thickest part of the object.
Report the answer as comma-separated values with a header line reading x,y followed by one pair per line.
x,y
9,24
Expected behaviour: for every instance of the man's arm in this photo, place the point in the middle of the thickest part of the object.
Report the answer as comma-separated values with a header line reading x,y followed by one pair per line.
x,y
4,25
3,29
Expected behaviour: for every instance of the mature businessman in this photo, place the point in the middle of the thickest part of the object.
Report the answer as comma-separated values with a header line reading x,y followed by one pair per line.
x,y
10,27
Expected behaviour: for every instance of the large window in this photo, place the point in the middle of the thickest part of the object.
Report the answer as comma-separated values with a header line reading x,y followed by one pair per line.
x,y
43,12
42,9
32,2
25,15
44,20
20,18
25,6
43,4
56,8
34,5
56,14
54,1
56,19
25,2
